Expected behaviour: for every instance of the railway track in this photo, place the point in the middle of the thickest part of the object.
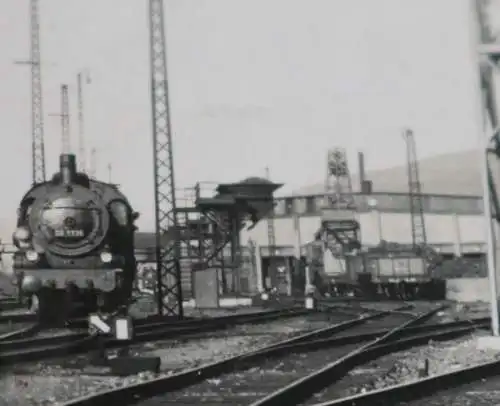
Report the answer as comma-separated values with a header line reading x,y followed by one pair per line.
x,y
279,380
19,346
29,326
20,333
234,381
447,385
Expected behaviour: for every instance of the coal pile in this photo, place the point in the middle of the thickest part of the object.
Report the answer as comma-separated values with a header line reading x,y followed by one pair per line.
x,y
461,268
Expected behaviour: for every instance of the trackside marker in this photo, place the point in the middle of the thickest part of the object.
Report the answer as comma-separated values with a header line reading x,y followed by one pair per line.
x,y
96,321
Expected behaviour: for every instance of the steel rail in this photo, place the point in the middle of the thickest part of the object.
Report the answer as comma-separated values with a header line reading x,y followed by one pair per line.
x,y
304,388
429,330
156,328
28,317
130,394
385,396
21,333
419,388
50,347
154,322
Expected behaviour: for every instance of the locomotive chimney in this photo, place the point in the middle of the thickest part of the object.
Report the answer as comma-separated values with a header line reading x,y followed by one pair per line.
x,y
67,167
362,174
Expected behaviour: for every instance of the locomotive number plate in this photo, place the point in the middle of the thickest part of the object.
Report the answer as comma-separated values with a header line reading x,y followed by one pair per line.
x,y
64,232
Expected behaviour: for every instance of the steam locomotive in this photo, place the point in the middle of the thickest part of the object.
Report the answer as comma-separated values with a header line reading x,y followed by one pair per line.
x,y
75,241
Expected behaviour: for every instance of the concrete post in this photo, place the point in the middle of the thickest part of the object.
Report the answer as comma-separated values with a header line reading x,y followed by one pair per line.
x,y
258,269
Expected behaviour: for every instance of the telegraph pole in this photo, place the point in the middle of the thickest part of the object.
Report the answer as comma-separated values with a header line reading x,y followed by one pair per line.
x,y
37,134
168,251
82,162
64,115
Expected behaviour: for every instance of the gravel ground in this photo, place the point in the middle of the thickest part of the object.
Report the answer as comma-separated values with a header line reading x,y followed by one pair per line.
x,y
146,305
484,393
464,311
52,382
406,366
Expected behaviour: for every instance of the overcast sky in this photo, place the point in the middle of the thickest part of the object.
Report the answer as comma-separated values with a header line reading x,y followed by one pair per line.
x,y
254,83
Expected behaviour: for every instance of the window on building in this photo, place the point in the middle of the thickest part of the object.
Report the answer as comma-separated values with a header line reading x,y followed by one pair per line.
x,y
279,207
467,205
319,202
438,204
310,206
299,205
398,202
288,206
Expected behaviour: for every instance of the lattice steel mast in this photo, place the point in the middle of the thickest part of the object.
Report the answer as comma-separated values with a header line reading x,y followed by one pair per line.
x,y
338,183
419,235
169,293
65,134
64,116
82,161
338,217
93,163
271,236
37,134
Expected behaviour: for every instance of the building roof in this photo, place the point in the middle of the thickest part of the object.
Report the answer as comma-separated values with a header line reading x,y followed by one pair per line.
x,y
255,180
457,173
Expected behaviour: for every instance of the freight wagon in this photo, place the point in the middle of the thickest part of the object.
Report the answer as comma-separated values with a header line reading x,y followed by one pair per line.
x,y
397,273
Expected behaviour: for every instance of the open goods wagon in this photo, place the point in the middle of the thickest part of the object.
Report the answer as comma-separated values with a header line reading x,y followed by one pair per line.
x,y
398,272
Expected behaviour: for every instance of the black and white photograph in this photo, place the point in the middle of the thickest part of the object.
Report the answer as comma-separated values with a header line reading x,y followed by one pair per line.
x,y
250,202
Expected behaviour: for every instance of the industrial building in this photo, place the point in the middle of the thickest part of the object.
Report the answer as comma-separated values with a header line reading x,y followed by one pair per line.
x,y
453,218
453,221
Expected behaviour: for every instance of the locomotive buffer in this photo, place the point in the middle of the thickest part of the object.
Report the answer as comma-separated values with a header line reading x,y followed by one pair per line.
x,y
118,325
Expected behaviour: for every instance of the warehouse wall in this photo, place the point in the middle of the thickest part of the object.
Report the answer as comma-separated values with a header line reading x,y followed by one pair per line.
x,y
454,230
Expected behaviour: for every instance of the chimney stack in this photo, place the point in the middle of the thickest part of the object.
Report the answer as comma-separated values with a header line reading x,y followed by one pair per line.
x,y
361,162
365,186
67,168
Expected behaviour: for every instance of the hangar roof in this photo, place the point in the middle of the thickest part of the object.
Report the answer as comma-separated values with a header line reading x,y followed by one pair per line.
x,y
457,173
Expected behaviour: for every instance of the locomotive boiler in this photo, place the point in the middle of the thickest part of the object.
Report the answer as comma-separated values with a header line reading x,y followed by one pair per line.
x,y
75,240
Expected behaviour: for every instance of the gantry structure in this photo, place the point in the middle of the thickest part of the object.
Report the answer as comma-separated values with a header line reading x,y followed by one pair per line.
x,y
339,225
418,232
486,51
190,237
169,292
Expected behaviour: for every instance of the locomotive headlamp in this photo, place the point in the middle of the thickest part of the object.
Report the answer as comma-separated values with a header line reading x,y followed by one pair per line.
x,y
106,257
31,256
22,234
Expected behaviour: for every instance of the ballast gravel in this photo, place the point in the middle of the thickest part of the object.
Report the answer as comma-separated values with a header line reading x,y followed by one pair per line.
x,y
406,366
54,382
